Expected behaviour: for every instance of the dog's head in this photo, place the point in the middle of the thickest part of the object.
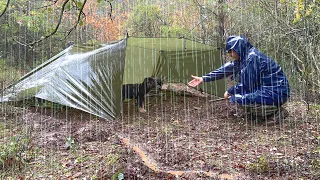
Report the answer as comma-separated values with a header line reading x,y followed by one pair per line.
x,y
152,82
159,83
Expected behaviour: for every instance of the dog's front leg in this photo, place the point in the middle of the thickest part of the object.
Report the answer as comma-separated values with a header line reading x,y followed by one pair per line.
x,y
142,109
141,103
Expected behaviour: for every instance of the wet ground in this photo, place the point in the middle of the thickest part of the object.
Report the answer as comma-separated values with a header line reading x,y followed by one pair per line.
x,y
180,137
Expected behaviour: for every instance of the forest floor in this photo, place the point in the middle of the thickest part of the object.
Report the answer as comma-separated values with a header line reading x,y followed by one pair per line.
x,y
179,137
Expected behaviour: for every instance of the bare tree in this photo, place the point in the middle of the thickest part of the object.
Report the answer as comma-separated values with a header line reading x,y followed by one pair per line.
x,y
219,14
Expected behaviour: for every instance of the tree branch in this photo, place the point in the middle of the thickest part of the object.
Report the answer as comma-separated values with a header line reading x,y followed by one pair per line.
x,y
201,6
5,9
78,19
279,20
52,33
110,10
301,72
297,66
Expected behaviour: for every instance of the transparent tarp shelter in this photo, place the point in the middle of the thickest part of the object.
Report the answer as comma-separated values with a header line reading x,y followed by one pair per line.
x,y
90,78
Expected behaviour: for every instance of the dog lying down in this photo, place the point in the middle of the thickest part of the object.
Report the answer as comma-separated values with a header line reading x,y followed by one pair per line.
x,y
139,91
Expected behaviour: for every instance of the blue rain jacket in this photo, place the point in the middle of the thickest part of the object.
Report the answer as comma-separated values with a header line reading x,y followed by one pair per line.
x,y
260,79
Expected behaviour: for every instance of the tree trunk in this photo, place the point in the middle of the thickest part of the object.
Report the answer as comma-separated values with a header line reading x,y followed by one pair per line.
x,y
221,19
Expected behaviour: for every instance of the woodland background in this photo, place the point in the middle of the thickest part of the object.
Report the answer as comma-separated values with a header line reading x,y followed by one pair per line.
x,y
32,31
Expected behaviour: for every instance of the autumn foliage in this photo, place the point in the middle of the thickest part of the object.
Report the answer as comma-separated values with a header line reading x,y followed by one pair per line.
x,y
107,27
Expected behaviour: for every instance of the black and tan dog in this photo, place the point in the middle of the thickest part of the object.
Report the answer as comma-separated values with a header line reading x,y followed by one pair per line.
x,y
139,91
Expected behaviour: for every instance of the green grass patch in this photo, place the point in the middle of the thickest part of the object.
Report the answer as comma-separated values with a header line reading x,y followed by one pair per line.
x,y
13,153
261,166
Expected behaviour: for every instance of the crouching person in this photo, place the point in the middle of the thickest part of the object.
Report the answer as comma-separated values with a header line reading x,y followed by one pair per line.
x,y
262,87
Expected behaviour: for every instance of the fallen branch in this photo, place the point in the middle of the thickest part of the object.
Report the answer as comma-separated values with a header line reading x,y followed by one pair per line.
x,y
150,163
215,100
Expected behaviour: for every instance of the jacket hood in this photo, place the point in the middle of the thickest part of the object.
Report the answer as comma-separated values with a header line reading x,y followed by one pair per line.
x,y
239,44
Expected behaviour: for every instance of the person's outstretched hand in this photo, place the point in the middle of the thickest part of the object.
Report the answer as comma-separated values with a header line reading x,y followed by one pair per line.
x,y
196,81
226,95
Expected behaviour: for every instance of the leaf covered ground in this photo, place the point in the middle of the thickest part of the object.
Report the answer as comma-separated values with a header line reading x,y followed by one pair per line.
x,y
180,137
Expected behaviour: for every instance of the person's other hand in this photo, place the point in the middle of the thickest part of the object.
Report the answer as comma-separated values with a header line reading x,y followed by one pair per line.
x,y
226,95
196,81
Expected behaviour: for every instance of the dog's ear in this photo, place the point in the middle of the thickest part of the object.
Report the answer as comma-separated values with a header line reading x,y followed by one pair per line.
x,y
145,81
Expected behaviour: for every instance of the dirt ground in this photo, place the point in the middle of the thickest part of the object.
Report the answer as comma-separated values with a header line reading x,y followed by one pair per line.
x,y
179,137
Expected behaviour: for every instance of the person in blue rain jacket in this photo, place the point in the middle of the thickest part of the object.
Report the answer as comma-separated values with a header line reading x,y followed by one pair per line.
x,y
262,87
